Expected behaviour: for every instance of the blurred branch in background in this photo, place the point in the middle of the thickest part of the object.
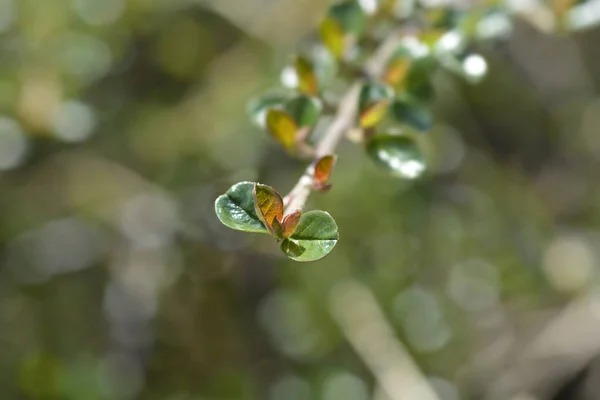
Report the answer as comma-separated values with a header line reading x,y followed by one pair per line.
x,y
367,329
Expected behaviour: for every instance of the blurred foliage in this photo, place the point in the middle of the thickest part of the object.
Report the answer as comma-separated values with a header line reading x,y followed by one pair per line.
x,y
123,120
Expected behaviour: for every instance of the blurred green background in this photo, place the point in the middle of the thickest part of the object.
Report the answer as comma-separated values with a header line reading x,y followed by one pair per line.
x,y
121,121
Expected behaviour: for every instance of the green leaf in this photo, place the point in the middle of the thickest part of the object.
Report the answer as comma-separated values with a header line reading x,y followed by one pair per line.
x,y
282,127
304,110
411,68
258,108
235,209
398,154
419,79
412,113
350,17
333,37
373,103
315,236
307,77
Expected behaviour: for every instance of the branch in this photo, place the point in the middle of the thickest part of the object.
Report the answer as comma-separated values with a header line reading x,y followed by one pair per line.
x,y
343,121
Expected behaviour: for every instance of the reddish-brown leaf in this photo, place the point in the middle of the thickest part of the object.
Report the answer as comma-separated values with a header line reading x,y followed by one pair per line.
x,y
323,168
268,205
290,222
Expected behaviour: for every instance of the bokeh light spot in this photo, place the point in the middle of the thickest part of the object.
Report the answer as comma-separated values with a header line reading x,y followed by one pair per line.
x,y
103,12
344,386
474,285
290,387
74,121
13,144
569,263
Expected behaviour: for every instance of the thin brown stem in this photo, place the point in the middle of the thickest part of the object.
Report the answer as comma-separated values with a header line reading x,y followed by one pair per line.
x,y
343,121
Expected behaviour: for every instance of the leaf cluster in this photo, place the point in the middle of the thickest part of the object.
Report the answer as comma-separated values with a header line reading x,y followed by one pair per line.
x,y
253,207
393,108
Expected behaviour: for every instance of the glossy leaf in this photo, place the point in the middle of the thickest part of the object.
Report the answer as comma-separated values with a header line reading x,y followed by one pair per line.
x,y
235,209
418,82
350,17
401,62
258,108
292,249
304,110
398,154
290,222
412,114
373,114
373,103
315,236
268,205
282,127
397,70
411,68
333,37
323,168
307,77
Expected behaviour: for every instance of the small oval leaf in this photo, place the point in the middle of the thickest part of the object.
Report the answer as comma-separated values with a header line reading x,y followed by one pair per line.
x,y
333,37
315,236
235,209
418,83
282,127
268,205
397,70
373,103
258,108
323,168
305,110
398,154
350,16
290,222
412,114
292,249
307,77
